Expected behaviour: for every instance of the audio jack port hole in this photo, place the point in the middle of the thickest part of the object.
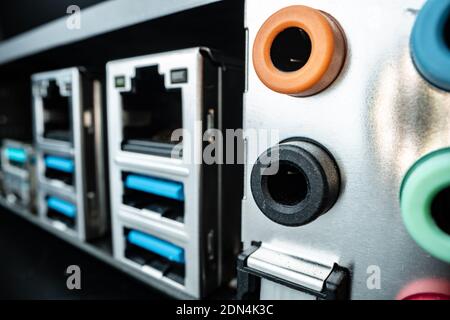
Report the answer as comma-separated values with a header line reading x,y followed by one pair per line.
x,y
430,43
425,203
299,51
295,182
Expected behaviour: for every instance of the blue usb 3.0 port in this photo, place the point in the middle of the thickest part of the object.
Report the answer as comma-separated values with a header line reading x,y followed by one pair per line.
x,y
59,164
159,187
59,168
157,195
61,210
145,249
16,156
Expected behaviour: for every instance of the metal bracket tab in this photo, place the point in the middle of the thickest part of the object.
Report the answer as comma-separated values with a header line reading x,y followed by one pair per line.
x,y
261,262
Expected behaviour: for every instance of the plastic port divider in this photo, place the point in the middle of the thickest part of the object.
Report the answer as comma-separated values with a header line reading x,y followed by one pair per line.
x,y
16,154
163,188
61,206
160,247
60,164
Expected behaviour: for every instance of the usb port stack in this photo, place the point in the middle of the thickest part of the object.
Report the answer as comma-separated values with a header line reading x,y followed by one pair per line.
x,y
163,195
68,136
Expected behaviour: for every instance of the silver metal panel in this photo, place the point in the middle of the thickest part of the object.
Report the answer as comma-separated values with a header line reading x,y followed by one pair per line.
x,y
102,18
274,291
377,119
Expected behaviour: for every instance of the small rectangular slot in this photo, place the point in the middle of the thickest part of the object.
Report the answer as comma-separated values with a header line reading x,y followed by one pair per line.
x,y
157,195
59,168
57,111
61,210
147,250
151,113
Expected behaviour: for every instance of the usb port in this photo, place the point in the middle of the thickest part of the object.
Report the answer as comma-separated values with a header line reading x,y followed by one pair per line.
x,y
61,210
163,256
151,112
59,168
160,196
57,112
17,157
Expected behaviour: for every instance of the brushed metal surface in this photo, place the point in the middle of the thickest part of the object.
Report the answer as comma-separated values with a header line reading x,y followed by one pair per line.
x,y
377,119
274,291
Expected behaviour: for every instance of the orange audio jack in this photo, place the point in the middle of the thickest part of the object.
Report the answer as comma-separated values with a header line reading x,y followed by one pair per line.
x,y
299,51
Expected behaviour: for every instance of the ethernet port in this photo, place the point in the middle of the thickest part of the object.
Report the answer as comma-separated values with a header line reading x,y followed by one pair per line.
x,y
151,112
146,250
57,114
159,196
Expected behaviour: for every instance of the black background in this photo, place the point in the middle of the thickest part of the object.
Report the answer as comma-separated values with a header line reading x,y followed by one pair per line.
x,y
17,16
33,264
